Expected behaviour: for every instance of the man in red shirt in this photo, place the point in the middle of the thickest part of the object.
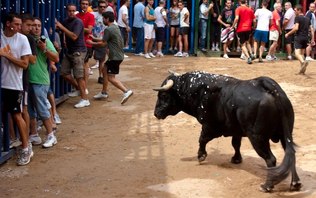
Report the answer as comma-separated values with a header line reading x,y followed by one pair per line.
x,y
244,18
275,31
88,23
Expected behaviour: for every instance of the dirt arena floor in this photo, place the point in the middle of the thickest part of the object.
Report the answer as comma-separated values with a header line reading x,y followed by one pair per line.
x,y
114,151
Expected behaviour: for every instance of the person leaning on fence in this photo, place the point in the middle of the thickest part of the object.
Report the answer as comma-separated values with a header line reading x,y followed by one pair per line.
x,y
138,27
311,15
149,29
122,21
288,24
15,51
76,52
205,10
39,79
302,26
174,13
112,38
226,18
184,31
275,31
161,23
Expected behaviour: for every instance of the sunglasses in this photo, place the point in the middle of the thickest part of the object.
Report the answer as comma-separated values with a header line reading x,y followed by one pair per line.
x,y
102,6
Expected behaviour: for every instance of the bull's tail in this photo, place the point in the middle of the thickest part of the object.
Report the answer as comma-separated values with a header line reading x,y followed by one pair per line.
x,y
277,174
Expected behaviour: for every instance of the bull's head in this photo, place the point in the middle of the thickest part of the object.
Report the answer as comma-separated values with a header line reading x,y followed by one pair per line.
x,y
166,103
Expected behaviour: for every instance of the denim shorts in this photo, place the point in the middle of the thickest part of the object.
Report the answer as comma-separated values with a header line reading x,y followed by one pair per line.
x,y
38,101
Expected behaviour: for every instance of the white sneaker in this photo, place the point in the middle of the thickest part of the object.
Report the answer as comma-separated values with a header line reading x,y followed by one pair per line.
x,y
57,119
35,139
147,56
289,57
213,48
151,55
86,91
269,58
243,57
15,143
140,54
125,56
178,54
101,95
90,72
82,103
159,54
227,49
95,66
184,54
126,96
217,49
225,56
308,58
51,141
74,93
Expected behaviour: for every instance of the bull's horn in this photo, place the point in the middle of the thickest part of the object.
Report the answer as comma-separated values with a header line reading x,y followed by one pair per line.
x,y
174,73
166,87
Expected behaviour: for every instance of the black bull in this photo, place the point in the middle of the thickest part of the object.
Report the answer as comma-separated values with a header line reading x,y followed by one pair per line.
x,y
225,106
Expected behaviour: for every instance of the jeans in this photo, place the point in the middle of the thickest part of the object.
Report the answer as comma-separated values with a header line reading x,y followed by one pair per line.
x,y
203,29
139,39
38,102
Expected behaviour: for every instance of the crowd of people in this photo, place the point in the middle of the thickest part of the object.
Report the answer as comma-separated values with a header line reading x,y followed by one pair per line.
x,y
28,57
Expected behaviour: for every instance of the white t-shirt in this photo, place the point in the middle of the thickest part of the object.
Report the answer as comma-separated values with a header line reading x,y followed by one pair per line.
x,y
11,74
290,15
182,22
123,10
203,8
263,16
99,26
160,16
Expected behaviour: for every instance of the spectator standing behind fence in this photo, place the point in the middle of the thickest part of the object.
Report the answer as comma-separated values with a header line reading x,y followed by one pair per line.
x,y
138,27
311,15
288,24
76,52
215,27
88,23
244,18
149,30
205,10
302,26
226,18
161,22
122,22
113,39
39,80
261,35
275,31
183,39
174,13
97,33
14,52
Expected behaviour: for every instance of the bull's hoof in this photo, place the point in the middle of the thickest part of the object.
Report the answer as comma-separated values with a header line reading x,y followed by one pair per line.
x,y
296,186
266,188
236,160
202,157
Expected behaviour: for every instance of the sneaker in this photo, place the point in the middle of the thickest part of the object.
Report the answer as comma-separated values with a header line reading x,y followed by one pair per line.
x,y
126,96
159,54
90,72
253,56
101,95
15,143
82,103
275,58
25,156
260,60
269,58
289,57
139,54
308,58
100,80
238,49
303,67
213,48
227,50
249,60
57,119
203,50
86,91
51,141
185,54
170,49
178,54
243,56
96,66
125,56
225,56
35,139
74,93
217,49
147,56
151,55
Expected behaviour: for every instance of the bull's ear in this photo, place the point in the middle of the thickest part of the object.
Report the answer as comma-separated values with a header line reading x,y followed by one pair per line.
x,y
173,72
166,87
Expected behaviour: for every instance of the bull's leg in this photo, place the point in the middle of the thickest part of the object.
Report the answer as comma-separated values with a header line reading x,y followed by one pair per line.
x,y
262,147
236,142
205,137
295,183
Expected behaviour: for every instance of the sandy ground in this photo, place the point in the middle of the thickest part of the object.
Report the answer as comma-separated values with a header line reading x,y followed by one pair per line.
x,y
110,150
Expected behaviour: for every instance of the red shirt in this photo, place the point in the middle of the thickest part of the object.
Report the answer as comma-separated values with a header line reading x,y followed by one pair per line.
x,y
88,20
246,16
275,17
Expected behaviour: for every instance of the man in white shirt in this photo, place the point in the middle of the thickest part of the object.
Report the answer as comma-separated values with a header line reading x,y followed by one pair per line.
x,y
261,34
288,24
161,22
122,22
